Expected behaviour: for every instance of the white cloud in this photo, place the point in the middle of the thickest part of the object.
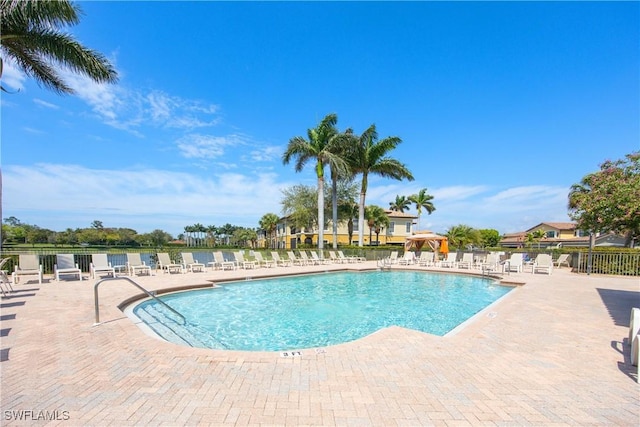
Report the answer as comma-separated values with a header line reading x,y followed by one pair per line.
x,y
12,77
195,146
46,104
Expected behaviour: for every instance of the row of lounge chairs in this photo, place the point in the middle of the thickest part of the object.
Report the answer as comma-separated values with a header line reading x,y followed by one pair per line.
x,y
29,265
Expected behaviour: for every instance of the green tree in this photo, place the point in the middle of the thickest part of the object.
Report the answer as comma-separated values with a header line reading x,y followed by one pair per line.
x,y
460,236
317,147
377,219
422,200
341,176
609,200
159,238
299,203
489,237
269,223
401,204
368,155
349,210
33,36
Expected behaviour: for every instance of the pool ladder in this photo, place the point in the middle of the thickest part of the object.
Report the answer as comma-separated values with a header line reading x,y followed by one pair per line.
x,y
384,264
150,294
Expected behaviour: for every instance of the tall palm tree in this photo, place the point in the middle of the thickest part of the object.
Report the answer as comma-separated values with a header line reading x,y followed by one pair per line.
x,y
349,210
422,200
368,155
338,144
211,235
377,219
269,223
400,204
316,147
32,36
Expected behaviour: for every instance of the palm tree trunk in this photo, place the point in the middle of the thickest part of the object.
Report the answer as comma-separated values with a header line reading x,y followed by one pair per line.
x,y
363,195
320,212
334,207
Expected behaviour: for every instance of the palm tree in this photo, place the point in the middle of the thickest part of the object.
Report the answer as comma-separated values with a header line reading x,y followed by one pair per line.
x,y
376,219
269,223
338,145
422,200
188,230
317,147
368,156
400,205
31,36
349,210
462,235
211,234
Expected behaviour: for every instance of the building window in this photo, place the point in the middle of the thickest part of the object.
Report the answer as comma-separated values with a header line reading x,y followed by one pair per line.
x,y
552,234
392,226
355,224
408,227
581,233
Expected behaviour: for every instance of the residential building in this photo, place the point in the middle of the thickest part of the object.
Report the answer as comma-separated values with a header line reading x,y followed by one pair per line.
x,y
560,234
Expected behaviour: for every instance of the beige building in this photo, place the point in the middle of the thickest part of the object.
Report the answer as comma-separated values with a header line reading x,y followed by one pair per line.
x,y
287,236
560,234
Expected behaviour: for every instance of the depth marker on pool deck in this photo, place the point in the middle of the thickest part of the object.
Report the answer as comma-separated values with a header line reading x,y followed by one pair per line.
x,y
290,353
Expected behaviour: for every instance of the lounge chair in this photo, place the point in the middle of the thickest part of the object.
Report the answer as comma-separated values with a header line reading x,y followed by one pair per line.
x,y
66,265
5,284
191,264
334,258
100,265
166,265
136,265
351,258
407,259
306,259
562,259
294,260
393,257
542,263
515,263
28,265
269,263
243,262
426,259
491,263
224,264
466,261
279,261
315,257
450,261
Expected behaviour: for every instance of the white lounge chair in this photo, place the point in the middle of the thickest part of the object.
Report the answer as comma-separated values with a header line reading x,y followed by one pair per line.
x,y
335,259
224,264
279,261
466,261
100,265
450,261
166,265
191,264
515,263
65,265
294,260
5,284
426,259
315,257
262,261
28,265
306,259
562,259
393,257
491,264
136,265
407,259
351,258
542,263
243,262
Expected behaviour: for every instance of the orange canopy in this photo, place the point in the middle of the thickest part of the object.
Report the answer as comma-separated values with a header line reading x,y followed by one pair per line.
x,y
436,242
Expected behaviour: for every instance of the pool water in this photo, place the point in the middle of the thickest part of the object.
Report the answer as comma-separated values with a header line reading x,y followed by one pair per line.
x,y
318,310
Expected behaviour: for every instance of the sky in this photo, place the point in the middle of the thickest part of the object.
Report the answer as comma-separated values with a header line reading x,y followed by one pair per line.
x,y
501,107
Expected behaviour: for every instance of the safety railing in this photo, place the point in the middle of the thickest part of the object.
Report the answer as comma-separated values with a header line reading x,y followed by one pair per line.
x,y
97,308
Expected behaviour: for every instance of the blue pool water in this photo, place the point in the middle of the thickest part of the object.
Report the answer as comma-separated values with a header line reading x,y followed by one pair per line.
x,y
318,310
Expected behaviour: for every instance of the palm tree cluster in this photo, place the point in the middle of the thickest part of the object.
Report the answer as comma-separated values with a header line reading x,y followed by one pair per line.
x,y
347,155
421,200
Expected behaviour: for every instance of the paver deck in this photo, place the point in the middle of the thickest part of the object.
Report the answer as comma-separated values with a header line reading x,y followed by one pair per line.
x,y
553,352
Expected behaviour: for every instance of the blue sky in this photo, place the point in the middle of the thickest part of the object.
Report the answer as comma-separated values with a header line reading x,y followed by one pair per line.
x,y
501,108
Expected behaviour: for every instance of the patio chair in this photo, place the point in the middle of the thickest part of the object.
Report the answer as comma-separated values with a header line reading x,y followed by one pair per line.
x,y
450,261
426,259
5,284
100,265
491,263
393,257
136,265
269,263
515,263
407,259
351,258
306,259
294,260
279,261
241,261
562,259
334,258
28,265
166,265
315,257
542,263
224,264
66,265
190,263
466,261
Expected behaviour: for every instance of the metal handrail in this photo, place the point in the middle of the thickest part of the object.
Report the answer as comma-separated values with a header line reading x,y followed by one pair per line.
x,y
95,296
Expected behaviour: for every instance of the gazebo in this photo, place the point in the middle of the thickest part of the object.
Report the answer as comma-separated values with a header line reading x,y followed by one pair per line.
x,y
437,242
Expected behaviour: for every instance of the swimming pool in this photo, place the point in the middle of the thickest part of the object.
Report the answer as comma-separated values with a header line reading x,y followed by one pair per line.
x,y
318,310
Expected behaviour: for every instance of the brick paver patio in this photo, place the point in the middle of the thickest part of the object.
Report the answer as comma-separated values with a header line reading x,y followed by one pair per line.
x,y
553,352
